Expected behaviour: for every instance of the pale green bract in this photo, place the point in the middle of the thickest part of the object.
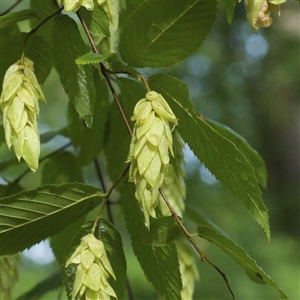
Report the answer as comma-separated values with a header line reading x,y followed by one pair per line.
x,y
174,186
188,269
93,270
20,108
258,12
149,150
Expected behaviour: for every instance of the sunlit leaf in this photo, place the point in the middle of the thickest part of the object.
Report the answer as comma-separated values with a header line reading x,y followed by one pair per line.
x,y
252,156
163,33
224,160
33,215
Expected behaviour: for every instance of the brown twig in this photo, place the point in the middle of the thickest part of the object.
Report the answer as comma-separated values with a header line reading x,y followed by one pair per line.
x,y
33,31
10,8
193,242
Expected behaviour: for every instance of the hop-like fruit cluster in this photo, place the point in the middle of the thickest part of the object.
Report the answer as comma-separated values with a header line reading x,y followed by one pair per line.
x,y
149,150
258,12
174,186
19,104
9,275
188,269
93,270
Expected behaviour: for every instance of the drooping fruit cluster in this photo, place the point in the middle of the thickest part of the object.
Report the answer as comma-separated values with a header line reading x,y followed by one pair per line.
x,y
9,275
174,186
149,150
19,104
93,270
188,269
259,11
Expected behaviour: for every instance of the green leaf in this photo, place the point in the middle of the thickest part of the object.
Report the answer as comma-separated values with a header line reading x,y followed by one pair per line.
x,y
163,231
96,20
50,283
15,17
240,256
224,160
93,58
252,155
38,51
31,216
62,168
44,9
163,33
160,264
77,80
112,241
230,8
90,140
60,243
11,49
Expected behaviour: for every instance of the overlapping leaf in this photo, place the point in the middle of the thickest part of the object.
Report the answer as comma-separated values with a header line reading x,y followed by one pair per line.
x,y
225,161
77,80
96,20
163,33
230,8
112,241
252,156
239,255
31,216
93,58
160,264
15,17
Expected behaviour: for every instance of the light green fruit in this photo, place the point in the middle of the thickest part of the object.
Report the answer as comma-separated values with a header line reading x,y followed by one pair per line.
x,y
71,5
11,86
31,150
11,70
88,4
149,150
15,112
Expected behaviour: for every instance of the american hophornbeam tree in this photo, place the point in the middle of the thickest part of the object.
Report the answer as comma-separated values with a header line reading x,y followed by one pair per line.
x,y
132,128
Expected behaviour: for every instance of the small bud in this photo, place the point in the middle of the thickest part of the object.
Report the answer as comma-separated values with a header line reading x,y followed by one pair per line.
x,y
149,150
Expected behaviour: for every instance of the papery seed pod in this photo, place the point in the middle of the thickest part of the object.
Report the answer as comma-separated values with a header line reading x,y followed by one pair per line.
x,y
93,270
188,269
70,5
9,275
174,186
149,150
19,103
